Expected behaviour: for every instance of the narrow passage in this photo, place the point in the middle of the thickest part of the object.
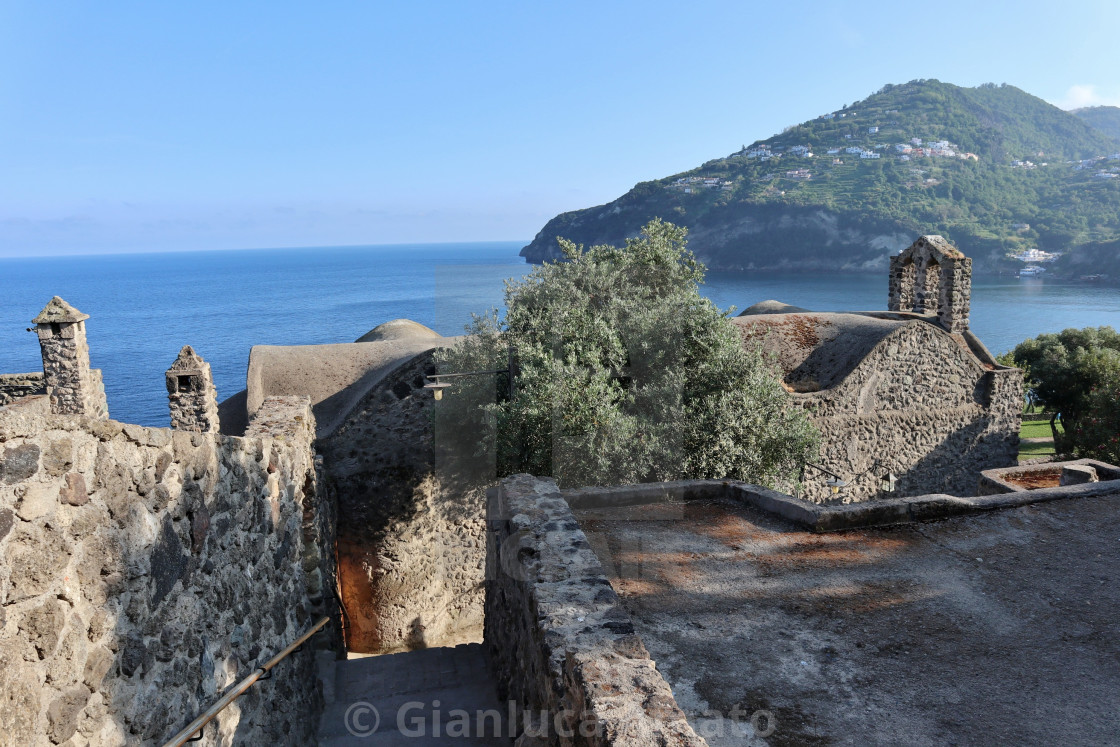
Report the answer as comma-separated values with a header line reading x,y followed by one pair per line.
x,y
444,695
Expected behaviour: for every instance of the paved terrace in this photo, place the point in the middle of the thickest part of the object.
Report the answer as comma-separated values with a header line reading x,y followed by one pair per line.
x,y
430,696
998,628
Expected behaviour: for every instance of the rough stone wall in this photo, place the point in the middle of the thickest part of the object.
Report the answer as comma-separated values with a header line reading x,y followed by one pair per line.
x,y
289,420
143,571
562,645
955,294
18,386
919,405
932,277
411,546
192,398
99,404
927,287
903,276
73,387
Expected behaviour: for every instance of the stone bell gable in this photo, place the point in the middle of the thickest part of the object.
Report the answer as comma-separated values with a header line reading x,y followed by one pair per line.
x,y
932,277
72,386
191,395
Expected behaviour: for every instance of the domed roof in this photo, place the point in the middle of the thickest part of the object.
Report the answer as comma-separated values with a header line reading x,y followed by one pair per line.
x,y
771,307
398,329
817,350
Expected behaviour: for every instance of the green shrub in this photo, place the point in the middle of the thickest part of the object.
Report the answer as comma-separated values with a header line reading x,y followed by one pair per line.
x,y
1072,374
625,373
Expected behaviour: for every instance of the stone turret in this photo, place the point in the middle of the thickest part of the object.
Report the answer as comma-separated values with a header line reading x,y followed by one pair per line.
x,y
932,277
191,394
72,386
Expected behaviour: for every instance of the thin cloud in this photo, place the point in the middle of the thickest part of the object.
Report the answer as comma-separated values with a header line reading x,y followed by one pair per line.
x,y
1080,96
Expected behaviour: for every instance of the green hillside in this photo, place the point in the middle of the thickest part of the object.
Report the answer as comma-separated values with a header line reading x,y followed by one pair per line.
x,y
1103,118
992,168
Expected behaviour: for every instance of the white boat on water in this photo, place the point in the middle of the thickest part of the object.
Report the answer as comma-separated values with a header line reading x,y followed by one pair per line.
x,y
1031,272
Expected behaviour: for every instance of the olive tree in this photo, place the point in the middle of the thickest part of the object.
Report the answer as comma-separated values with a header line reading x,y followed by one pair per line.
x,y
625,373
1073,374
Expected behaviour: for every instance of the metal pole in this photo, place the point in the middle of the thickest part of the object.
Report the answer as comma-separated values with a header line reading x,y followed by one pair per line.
x,y
196,726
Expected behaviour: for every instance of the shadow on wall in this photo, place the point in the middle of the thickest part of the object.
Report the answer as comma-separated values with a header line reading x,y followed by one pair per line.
x,y
410,524
954,465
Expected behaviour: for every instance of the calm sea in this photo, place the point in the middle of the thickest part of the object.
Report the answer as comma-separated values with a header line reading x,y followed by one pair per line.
x,y
144,307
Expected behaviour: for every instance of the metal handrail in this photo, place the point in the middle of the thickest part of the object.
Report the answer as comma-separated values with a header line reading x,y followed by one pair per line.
x,y
196,726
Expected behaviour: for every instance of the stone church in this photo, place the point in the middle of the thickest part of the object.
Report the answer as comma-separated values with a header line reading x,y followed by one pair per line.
x,y
908,401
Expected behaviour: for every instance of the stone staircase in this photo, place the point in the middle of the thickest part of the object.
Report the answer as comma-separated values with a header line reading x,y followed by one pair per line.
x,y
419,697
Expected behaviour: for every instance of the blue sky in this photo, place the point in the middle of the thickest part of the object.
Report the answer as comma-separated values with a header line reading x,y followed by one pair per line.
x,y
168,126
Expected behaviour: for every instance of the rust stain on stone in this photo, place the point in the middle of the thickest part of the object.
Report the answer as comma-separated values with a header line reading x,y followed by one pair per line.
x,y
795,327
1033,480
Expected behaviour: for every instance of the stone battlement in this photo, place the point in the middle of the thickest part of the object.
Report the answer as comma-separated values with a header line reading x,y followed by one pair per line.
x,y
145,570
134,556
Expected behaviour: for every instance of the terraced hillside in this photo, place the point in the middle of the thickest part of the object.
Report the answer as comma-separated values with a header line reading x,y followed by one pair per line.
x,y
992,168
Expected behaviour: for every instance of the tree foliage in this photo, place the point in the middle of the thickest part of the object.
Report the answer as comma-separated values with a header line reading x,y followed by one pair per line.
x,y
1075,374
625,373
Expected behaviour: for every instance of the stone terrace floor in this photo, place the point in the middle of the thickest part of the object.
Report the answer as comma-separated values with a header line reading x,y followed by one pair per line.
x,y
1001,628
417,696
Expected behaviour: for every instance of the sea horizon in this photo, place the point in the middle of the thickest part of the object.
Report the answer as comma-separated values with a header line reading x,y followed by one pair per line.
x,y
164,252
144,306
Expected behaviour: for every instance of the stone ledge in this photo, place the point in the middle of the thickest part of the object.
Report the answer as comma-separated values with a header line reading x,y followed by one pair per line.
x,y
33,404
993,481
560,639
819,518
903,510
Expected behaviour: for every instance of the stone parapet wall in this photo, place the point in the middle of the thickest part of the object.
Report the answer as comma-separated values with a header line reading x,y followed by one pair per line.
x,y
144,571
18,386
98,402
561,642
289,420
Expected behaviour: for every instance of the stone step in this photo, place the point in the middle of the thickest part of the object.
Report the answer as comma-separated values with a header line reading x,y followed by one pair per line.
x,y
416,695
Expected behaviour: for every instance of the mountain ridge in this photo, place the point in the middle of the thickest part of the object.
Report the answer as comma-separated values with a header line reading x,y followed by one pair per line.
x,y
992,168
1103,118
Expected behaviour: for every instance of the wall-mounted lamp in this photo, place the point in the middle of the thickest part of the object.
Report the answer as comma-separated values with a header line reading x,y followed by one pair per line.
x,y
436,388
834,482
433,383
887,482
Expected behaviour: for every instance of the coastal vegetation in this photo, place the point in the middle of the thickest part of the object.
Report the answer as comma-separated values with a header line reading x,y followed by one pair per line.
x,y
993,169
625,373
1075,376
1103,118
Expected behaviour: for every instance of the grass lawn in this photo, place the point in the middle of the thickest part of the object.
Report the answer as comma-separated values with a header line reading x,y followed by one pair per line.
x,y
1028,450
1037,429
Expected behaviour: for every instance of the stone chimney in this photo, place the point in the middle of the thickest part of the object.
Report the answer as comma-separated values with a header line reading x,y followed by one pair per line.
x,y
73,388
932,277
191,394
